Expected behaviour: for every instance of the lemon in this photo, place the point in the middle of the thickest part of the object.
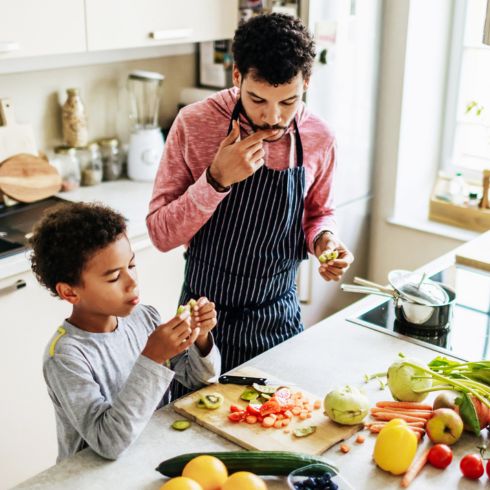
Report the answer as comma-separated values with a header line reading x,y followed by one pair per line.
x,y
181,483
208,471
244,480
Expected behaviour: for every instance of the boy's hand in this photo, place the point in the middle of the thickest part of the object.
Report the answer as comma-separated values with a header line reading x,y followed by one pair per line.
x,y
203,316
171,338
333,269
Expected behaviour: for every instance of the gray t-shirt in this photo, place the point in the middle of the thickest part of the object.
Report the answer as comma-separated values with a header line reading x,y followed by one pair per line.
x,y
104,391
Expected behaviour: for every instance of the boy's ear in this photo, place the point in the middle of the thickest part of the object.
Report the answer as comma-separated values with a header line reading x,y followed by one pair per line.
x,y
67,292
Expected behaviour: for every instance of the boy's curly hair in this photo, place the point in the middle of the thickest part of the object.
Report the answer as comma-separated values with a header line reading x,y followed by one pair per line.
x,y
275,47
67,236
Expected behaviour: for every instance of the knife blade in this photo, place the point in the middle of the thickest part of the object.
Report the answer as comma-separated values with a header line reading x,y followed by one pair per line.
x,y
250,380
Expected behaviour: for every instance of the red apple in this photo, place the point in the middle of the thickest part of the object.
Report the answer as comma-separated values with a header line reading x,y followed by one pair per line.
x,y
444,427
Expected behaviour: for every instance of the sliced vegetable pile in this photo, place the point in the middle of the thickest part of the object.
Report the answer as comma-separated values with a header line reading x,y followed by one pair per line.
x,y
274,407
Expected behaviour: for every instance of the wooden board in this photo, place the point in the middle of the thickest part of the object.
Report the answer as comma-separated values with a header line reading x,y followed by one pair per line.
x,y
27,178
14,138
476,253
255,436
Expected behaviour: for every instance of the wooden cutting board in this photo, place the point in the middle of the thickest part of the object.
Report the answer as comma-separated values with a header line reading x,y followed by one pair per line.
x,y
476,253
14,138
255,436
28,178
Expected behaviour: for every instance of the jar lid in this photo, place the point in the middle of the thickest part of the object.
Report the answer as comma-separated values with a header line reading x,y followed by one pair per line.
x,y
72,91
65,150
108,142
93,146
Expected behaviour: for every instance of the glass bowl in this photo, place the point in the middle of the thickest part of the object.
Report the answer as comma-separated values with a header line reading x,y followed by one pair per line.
x,y
317,477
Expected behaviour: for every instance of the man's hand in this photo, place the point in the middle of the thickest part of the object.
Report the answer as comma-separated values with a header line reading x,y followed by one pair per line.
x,y
332,270
171,338
236,160
204,319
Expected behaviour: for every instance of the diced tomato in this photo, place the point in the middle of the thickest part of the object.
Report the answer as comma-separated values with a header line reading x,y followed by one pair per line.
x,y
237,416
260,418
288,414
251,419
253,409
271,406
285,422
234,408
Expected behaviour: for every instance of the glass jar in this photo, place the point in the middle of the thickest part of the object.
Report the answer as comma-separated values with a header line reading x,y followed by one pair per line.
x,y
92,170
74,120
69,167
111,158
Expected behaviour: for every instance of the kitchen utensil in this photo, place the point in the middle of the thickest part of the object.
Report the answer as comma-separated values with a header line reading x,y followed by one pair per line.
x,y
254,436
296,477
250,380
475,253
146,140
14,138
415,287
28,178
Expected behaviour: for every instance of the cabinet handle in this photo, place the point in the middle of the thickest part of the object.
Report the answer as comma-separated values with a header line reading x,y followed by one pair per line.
x,y
19,284
170,35
9,47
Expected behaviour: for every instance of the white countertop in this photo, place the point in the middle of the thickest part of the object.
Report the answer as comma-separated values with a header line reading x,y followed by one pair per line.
x,y
130,198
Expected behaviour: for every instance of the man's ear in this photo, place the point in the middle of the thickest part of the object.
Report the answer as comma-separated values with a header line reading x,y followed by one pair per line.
x,y
306,83
67,292
237,77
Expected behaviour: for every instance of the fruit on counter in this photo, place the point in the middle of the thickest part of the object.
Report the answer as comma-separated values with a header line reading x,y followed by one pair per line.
x,y
406,380
211,401
244,480
209,471
249,394
181,425
181,483
472,466
445,426
395,447
488,468
347,405
328,255
278,463
440,456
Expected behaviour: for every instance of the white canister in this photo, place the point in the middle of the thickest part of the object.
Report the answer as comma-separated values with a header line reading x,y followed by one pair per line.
x,y
145,153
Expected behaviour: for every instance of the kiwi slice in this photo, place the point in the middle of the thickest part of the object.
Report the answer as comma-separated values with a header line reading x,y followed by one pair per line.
x,y
212,401
268,390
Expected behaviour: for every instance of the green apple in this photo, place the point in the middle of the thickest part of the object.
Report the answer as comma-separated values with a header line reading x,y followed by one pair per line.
x,y
444,427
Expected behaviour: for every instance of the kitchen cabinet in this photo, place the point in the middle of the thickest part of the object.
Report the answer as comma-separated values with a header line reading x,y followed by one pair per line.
x,y
30,28
116,24
29,317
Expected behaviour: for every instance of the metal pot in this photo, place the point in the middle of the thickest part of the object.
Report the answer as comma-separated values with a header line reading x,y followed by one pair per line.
x,y
430,316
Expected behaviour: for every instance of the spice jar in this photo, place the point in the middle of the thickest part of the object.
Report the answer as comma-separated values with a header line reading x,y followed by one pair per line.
x,y
74,120
92,171
111,158
69,167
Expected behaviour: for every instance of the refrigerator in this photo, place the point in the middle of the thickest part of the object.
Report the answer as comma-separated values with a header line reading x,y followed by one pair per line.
x,y
343,91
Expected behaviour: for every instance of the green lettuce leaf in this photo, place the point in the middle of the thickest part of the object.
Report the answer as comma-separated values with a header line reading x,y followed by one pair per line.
x,y
468,412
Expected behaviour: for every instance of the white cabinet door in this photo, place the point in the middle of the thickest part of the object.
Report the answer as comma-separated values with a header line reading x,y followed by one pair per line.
x,y
32,28
117,24
28,318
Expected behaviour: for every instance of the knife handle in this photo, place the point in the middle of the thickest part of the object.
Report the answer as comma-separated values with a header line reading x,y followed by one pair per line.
x,y
240,380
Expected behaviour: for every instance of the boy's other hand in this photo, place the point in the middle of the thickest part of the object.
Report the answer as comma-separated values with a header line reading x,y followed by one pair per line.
x,y
171,338
204,316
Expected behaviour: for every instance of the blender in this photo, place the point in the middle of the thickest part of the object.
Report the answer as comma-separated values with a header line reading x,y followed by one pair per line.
x,y
146,140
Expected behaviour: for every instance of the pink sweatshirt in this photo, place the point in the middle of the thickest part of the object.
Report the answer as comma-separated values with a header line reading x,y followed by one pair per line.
x,y
183,201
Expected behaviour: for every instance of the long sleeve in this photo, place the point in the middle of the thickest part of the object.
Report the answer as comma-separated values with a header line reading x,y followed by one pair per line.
x,y
107,426
182,200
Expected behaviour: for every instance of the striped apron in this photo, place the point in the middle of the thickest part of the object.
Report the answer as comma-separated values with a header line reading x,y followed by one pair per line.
x,y
245,260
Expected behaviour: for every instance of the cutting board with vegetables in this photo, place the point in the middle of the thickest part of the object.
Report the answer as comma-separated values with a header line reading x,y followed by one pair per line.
x,y
255,436
476,253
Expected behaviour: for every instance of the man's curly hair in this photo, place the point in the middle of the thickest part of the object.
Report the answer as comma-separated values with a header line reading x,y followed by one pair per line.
x,y
67,236
274,47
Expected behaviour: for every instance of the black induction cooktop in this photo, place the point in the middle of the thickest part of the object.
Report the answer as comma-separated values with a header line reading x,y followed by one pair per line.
x,y
467,336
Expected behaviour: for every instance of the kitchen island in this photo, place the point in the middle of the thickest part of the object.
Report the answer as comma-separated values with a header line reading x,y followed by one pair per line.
x,y
335,352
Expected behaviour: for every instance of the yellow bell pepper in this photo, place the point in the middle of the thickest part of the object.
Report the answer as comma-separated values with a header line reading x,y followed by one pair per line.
x,y
395,447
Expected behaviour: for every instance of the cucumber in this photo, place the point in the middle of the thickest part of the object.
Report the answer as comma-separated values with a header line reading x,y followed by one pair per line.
x,y
181,425
258,462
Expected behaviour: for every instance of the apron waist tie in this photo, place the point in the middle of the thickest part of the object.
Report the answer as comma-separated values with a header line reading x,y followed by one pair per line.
x,y
239,312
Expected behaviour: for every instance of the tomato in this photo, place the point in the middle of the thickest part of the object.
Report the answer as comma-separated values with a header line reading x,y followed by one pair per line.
x,y
440,456
253,409
488,468
272,406
237,416
208,471
234,408
472,466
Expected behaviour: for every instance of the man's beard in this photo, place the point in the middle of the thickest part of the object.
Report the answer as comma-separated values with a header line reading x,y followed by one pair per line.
x,y
263,127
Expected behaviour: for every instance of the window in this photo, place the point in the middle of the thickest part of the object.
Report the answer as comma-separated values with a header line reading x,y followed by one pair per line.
x,y
466,145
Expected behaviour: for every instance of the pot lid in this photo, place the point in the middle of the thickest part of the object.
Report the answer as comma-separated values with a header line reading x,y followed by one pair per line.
x,y
418,288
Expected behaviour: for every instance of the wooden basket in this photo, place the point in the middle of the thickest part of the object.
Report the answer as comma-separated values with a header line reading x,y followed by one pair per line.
x,y
471,218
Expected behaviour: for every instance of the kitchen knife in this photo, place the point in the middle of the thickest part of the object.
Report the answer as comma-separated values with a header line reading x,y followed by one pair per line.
x,y
250,380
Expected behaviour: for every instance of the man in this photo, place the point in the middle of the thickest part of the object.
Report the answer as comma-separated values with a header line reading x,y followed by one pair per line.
x,y
246,182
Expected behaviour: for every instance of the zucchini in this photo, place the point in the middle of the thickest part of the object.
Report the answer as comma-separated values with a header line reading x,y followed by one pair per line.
x,y
258,462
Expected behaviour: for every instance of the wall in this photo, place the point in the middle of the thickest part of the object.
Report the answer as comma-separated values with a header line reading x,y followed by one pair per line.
x,y
36,95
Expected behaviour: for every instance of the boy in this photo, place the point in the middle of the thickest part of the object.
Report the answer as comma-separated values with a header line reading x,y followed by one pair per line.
x,y
106,366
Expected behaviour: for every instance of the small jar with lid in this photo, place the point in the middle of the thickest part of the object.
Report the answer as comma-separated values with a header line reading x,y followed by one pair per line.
x,y
69,167
111,158
92,171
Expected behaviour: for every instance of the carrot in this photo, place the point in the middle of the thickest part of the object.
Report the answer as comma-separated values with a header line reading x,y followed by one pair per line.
x,y
286,431
408,405
382,423
391,416
278,424
285,422
317,404
268,422
303,415
415,469
411,413
360,439
344,448
296,411
251,419
308,415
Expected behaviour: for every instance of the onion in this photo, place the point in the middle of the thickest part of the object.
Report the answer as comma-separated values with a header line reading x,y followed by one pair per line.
x,y
347,405
406,381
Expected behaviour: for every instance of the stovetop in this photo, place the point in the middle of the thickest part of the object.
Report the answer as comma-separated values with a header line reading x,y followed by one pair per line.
x,y
467,335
